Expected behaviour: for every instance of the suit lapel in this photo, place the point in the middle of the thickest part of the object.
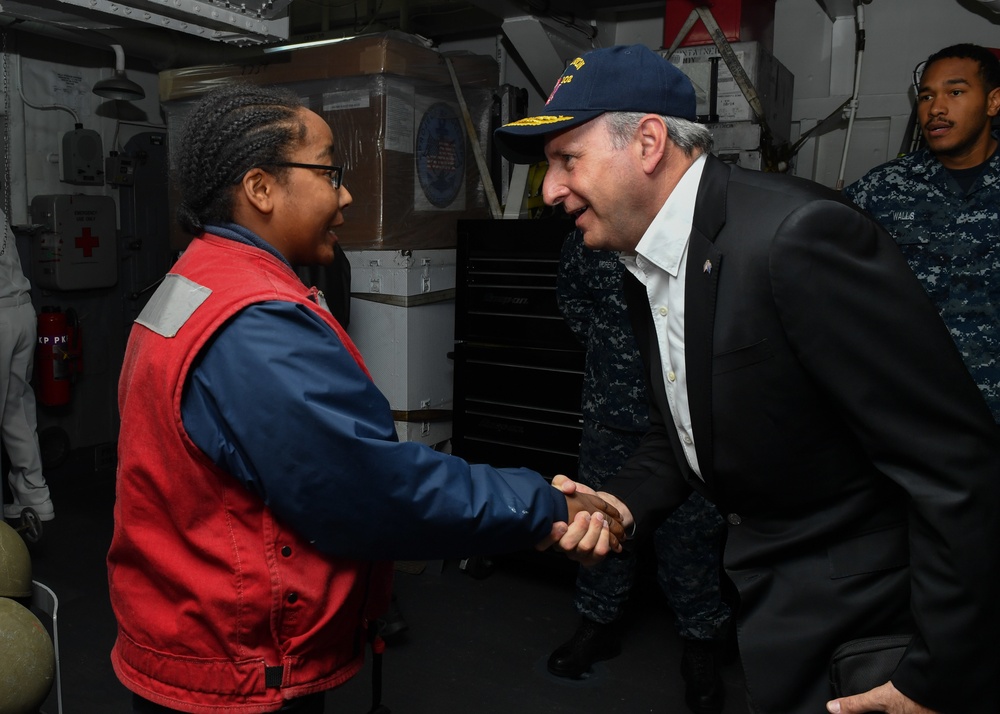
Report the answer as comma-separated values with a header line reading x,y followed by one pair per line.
x,y
702,280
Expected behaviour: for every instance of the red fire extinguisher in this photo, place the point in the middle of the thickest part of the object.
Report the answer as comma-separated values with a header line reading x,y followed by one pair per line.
x,y
58,356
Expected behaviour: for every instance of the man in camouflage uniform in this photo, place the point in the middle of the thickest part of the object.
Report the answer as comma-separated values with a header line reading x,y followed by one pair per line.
x,y
942,204
688,544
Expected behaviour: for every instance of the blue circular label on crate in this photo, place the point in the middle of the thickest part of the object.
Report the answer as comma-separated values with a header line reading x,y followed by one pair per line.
x,y
440,155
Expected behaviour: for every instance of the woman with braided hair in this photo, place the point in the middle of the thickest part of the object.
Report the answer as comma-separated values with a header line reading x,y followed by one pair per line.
x,y
261,491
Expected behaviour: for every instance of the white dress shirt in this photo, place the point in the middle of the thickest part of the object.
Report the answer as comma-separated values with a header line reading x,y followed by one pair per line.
x,y
659,264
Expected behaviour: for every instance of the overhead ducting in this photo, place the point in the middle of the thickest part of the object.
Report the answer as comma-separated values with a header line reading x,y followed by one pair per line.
x,y
162,49
248,22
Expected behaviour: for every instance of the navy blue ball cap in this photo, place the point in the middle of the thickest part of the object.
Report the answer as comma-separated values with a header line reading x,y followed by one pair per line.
x,y
623,78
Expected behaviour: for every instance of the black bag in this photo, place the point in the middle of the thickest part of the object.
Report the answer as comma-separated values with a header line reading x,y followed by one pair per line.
x,y
860,665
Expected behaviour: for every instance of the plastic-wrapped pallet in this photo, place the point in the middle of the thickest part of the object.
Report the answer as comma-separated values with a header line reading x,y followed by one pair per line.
x,y
397,126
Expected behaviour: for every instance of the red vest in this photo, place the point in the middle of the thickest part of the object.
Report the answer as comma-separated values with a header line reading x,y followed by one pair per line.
x,y
218,604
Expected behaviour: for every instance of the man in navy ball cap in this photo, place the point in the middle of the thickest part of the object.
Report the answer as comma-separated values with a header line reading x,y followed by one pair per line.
x,y
800,379
616,79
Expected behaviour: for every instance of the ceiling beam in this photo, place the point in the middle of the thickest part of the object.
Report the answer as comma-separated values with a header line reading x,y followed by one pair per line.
x,y
837,8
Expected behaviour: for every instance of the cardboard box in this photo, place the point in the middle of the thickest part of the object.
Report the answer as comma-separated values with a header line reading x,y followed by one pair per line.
x,y
740,135
397,124
772,82
395,53
408,159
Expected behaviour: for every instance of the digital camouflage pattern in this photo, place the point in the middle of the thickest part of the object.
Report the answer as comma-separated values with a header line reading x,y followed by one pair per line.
x,y
589,291
615,415
951,240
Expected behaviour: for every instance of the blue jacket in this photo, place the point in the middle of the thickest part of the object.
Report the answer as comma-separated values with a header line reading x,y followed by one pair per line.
x,y
333,425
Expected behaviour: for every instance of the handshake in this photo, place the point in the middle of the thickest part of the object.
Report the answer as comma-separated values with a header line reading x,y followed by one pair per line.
x,y
596,523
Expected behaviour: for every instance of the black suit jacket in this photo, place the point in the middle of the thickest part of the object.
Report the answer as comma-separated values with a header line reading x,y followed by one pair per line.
x,y
839,433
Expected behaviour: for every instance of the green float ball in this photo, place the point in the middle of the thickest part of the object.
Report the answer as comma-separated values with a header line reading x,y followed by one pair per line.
x,y
27,660
15,564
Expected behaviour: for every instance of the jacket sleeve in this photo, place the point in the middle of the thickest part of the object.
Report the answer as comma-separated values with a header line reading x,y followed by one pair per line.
x,y
278,401
650,482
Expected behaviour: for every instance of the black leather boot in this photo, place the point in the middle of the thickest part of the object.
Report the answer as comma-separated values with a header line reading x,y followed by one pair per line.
x,y
590,643
704,690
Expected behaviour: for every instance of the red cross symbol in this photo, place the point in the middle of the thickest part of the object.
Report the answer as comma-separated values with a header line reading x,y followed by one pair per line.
x,y
87,243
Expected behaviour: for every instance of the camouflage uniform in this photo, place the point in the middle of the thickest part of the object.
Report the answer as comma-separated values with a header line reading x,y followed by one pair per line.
x,y
615,416
951,240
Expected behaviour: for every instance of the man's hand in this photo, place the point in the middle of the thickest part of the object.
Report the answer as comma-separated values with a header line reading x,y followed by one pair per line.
x,y
568,486
591,536
594,529
881,699
593,504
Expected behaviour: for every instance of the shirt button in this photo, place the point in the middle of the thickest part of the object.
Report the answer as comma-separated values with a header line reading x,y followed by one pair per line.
x,y
672,376
292,597
286,551
663,311
687,440
734,519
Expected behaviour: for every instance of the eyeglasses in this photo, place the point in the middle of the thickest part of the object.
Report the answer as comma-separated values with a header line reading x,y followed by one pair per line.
x,y
336,173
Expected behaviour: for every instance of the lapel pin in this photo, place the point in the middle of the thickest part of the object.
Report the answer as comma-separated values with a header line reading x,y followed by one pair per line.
x,y
707,267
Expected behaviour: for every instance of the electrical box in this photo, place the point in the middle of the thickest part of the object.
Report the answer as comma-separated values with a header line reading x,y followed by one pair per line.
x,y
83,157
77,248
119,170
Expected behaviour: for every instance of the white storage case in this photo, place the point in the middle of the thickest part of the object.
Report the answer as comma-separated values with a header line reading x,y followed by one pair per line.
x,y
403,322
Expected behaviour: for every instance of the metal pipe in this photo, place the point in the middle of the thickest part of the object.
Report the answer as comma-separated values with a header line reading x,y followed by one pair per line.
x,y
859,14
119,58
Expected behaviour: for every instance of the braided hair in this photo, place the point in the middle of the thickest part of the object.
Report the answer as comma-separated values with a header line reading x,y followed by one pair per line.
x,y
230,131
